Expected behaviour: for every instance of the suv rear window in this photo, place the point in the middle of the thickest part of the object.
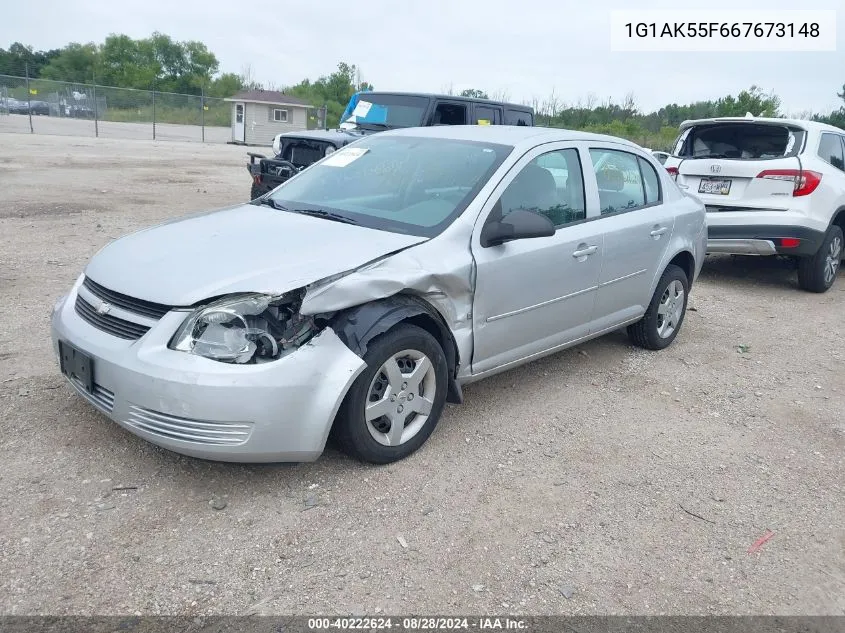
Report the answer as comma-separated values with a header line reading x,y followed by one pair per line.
x,y
748,141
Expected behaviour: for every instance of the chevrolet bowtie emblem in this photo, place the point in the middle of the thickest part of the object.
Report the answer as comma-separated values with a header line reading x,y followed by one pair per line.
x,y
103,308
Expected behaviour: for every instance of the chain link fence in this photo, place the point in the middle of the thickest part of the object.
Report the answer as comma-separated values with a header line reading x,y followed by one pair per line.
x,y
57,107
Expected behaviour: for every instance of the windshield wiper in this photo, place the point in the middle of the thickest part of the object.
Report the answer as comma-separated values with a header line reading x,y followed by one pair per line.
x,y
711,156
317,213
270,203
326,215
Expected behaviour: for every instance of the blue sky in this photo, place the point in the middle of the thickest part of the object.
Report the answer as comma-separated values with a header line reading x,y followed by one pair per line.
x,y
523,48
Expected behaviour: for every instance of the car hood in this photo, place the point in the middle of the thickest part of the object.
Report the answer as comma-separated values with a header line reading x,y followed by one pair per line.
x,y
247,248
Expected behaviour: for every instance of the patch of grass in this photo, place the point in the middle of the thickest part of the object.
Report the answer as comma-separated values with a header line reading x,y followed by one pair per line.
x,y
214,116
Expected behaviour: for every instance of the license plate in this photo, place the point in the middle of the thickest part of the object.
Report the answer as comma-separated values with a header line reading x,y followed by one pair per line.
x,y
719,187
76,364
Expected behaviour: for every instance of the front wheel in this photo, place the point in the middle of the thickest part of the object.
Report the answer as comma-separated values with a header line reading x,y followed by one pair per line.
x,y
394,405
665,314
817,273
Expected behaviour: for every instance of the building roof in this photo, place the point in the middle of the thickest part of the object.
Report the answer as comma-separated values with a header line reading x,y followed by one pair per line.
x,y
272,97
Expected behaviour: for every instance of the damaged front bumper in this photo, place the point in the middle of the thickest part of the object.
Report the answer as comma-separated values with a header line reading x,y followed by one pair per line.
x,y
277,411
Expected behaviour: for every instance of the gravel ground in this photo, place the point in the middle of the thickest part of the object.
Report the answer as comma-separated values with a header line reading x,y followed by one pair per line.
x,y
604,479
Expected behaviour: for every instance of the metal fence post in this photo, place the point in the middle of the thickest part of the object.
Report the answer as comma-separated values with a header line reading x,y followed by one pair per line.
x,y
96,125
154,113
202,111
28,100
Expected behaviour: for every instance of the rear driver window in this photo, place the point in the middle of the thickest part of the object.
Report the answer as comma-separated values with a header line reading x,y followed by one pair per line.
x,y
830,150
619,180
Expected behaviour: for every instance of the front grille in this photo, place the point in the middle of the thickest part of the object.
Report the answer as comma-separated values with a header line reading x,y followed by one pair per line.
x,y
101,397
138,306
107,323
188,430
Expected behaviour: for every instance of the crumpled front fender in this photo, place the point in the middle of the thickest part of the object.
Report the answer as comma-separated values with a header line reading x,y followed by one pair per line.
x,y
433,279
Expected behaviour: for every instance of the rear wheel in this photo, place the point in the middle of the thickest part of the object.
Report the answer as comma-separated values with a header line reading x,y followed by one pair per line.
x,y
818,272
255,192
665,314
394,405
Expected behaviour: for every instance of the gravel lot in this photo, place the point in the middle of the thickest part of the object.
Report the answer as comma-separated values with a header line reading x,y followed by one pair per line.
x,y
604,479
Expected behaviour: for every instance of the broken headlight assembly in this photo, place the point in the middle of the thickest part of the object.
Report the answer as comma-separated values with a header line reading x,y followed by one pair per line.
x,y
248,328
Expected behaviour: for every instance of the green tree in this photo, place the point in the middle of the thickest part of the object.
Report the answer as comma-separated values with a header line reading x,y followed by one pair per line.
x,y
225,85
124,62
75,63
333,91
474,93
20,58
753,100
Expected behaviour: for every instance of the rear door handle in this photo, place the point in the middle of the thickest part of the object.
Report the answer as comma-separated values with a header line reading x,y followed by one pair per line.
x,y
584,252
659,232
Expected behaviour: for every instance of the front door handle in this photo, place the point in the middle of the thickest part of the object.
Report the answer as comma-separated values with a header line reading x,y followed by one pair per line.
x,y
657,232
584,252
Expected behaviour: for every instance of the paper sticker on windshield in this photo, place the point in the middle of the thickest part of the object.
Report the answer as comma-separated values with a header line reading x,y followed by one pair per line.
x,y
345,156
362,108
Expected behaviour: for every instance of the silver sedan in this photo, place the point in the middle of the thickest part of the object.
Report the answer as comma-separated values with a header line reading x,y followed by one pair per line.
x,y
358,297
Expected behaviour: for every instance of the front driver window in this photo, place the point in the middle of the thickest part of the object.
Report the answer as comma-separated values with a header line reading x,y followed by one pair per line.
x,y
552,185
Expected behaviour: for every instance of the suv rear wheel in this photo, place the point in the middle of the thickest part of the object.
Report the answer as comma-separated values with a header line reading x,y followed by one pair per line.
x,y
818,272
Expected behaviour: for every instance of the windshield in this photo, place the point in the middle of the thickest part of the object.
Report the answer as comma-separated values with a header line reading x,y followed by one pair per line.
x,y
391,111
402,184
749,141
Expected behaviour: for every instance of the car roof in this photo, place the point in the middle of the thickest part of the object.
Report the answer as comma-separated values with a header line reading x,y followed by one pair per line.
x,y
506,134
431,95
800,123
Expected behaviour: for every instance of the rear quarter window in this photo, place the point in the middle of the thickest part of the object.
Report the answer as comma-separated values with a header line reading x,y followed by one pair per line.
x,y
830,150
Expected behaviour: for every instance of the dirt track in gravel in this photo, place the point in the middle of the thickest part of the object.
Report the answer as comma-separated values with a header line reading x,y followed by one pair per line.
x,y
580,474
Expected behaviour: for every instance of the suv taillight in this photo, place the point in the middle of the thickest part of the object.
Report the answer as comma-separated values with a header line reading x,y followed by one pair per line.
x,y
673,171
805,181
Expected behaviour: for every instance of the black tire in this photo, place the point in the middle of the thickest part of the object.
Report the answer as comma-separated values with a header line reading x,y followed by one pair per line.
x,y
255,192
814,272
645,332
351,431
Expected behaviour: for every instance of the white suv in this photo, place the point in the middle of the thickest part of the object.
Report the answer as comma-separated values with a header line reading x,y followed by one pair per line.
x,y
770,186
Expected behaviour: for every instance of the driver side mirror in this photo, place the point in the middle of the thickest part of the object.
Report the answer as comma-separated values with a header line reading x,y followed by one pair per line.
x,y
519,224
